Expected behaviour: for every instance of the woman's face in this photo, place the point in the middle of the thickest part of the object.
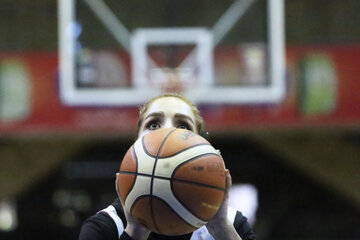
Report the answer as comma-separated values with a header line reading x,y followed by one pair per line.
x,y
168,112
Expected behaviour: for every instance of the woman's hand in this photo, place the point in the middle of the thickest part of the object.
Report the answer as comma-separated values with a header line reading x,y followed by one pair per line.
x,y
133,228
220,227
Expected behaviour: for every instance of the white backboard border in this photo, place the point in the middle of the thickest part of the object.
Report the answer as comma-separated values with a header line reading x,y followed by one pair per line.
x,y
71,95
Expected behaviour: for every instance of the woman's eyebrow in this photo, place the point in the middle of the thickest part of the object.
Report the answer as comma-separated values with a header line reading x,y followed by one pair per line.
x,y
180,115
155,114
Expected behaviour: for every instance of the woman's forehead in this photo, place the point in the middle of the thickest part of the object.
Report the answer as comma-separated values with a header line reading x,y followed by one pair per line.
x,y
170,105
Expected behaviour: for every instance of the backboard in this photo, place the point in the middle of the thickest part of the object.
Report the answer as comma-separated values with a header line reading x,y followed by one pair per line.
x,y
116,53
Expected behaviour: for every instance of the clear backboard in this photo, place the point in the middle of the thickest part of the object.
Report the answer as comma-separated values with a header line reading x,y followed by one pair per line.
x,y
114,53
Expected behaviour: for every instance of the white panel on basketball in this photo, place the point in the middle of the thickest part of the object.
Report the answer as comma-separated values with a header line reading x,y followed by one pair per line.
x,y
141,187
162,189
165,166
145,162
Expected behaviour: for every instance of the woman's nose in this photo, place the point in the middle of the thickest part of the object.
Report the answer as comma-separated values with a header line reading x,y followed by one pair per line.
x,y
168,124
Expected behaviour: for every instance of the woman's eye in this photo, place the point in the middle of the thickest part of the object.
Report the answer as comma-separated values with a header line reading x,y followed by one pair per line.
x,y
153,126
183,126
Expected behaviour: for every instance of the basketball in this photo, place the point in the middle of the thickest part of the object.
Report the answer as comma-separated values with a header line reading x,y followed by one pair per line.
x,y
172,181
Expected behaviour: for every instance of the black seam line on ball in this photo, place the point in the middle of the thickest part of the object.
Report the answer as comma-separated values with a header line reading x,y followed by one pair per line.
x,y
145,150
192,159
152,178
183,150
136,159
157,158
175,180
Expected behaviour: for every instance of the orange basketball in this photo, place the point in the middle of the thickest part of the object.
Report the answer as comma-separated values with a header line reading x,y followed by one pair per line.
x,y
172,181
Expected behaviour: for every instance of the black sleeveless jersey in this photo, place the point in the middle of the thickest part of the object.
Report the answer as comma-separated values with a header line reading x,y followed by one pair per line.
x,y
109,224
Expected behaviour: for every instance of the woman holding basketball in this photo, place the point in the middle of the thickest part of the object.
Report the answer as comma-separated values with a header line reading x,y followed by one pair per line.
x,y
166,111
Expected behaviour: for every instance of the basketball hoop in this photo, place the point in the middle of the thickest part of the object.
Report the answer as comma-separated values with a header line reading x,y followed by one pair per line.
x,y
172,79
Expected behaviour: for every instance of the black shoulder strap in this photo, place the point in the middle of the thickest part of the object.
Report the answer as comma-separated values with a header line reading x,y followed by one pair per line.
x,y
243,227
119,210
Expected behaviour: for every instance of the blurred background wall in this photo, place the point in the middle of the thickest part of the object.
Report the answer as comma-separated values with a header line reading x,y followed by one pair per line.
x,y
301,156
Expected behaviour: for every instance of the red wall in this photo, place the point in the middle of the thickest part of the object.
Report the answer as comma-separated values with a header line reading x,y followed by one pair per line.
x,y
48,115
